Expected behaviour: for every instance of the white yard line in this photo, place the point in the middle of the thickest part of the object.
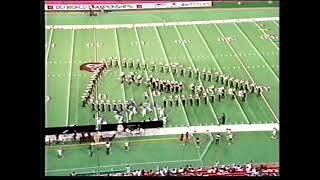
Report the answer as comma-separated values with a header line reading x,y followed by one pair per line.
x,y
254,47
132,164
145,71
46,75
247,72
113,26
119,63
96,60
208,145
276,22
199,155
70,72
266,35
194,67
165,55
219,68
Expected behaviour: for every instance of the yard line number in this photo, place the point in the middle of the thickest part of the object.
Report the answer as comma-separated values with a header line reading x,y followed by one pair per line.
x,y
183,41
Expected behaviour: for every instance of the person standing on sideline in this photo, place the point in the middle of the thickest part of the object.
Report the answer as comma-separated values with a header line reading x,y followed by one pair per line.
x,y
60,153
230,138
274,133
223,119
181,137
218,138
90,149
108,145
197,142
126,145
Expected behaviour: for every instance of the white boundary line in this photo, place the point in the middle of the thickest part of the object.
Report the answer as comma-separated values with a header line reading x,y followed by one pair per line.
x,y
145,71
194,67
206,149
77,91
264,60
115,142
69,85
266,35
165,55
219,68
247,72
112,26
46,74
199,153
119,63
154,162
276,22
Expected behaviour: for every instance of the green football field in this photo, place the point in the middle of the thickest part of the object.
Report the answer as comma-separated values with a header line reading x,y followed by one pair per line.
x,y
248,57
160,151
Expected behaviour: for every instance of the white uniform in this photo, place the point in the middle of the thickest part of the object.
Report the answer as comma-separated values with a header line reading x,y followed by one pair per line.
x,y
144,112
149,108
126,145
60,153
130,115
108,145
274,132
240,93
99,120
134,110
164,119
161,112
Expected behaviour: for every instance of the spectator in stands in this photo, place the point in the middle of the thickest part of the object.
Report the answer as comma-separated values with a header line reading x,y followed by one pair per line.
x,y
248,167
223,170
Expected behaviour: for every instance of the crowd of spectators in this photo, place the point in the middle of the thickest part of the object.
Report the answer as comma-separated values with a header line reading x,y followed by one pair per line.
x,y
215,170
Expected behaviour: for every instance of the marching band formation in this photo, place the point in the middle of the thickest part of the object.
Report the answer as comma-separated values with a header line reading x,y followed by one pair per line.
x,y
173,92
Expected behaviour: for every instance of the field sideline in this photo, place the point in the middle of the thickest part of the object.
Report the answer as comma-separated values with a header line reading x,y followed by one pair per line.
x,y
160,151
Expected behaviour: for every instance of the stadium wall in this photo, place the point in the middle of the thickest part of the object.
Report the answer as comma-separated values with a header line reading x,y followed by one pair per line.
x,y
115,5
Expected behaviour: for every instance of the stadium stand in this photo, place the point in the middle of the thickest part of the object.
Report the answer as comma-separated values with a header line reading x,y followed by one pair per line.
x,y
215,170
